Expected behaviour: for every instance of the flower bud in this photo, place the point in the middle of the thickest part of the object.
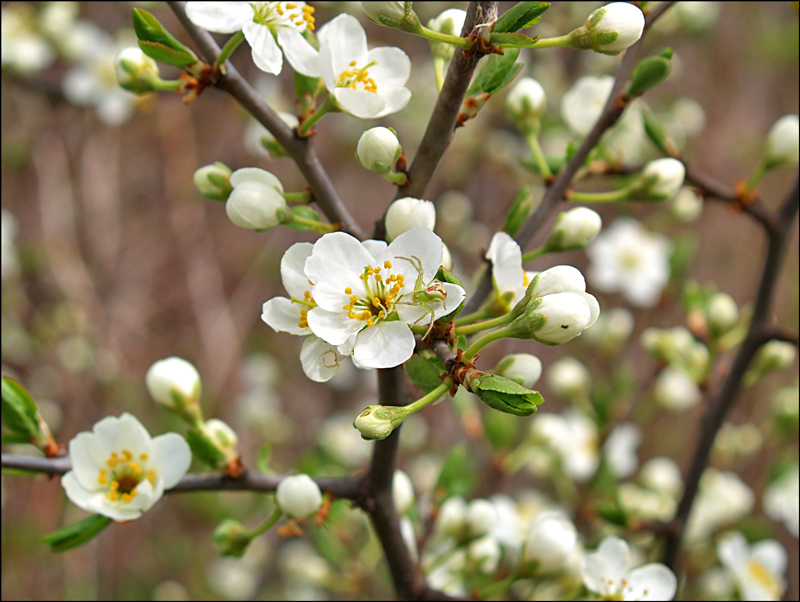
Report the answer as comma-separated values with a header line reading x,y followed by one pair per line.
x,y
403,492
675,390
175,384
525,103
782,142
399,15
298,496
772,357
378,149
662,474
136,72
484,554
686,206
409,213
451,517
574,229
481,516
447,258
450,22
214,181
660,180
610,29
612,329
557,318
523,368
225,437
231,538
723,314
551,540
583,103
569,378
257,199
377,422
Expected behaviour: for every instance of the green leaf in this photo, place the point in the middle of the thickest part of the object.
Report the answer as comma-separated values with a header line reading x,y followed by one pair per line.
x,y
512,40
650,72
157,43
500,429
457,476
423,373
655,130
520,16
76,534
305,212
498,71
204,449
518,212
19,411
505,395
263,458
613,513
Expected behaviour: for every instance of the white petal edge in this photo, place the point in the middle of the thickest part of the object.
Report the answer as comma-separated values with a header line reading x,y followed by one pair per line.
x,y
385,345
172,458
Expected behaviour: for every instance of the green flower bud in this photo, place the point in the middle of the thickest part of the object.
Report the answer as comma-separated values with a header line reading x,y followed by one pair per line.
x,y
610,29
175,384
377,422
450,22
214,181
398,15
574,229
723,314
231,538
660,180
378,150
783,142
136,72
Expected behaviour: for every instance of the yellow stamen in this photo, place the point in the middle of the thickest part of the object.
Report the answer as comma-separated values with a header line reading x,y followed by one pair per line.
x,y
370,322
348,291
387,264
143,457
307,9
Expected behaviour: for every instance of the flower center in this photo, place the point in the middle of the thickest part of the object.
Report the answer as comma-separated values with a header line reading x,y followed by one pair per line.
x,y
629,259
309,303
122,475
357,79
382,294
294,14
764,577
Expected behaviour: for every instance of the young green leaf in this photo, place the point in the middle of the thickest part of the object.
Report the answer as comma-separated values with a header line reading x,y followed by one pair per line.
x,y
520,16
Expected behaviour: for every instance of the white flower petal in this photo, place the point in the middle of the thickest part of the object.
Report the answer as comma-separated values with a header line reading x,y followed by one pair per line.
x,y
88,455
292,269
651,582
394,99
392,67
221,17
345,41
320,360
172,455
283,316
419,243
385,345
375,247
333,327
302,56
255,174
266,53
616,554
560,279
336,263
506,257
771,554
363,104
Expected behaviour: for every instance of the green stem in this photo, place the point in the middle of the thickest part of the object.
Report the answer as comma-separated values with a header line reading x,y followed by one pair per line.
x,y
297,197
565,40
329,106
532,138
440,559
428,399
396,177
756,176
499,586
231,45
166,85
268,524
481,314
478,326
438,71
599,197
314,225
543,250
472,350
443,37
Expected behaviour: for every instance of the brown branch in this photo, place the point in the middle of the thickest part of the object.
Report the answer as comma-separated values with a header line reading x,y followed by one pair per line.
x,y
555,192
724,398
299,149
341,487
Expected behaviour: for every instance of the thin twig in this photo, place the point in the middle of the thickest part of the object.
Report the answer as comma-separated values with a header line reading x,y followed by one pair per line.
x,y
555,192
299,149
723,400
341,487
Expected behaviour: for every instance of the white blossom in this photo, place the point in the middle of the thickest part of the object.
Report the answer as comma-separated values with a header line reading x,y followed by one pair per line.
x,y
583,103
269,28
723,498
408,213
403,492
628,259
757,570
781,500
484,553
675,390
569,378
298,496
662,474
119,471
607,572
620,449
551,540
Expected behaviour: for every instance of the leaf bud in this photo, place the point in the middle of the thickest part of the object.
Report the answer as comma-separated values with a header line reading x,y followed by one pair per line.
x,y
214,181
298,496
378,150
231,538
518,212
256,201
408,213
